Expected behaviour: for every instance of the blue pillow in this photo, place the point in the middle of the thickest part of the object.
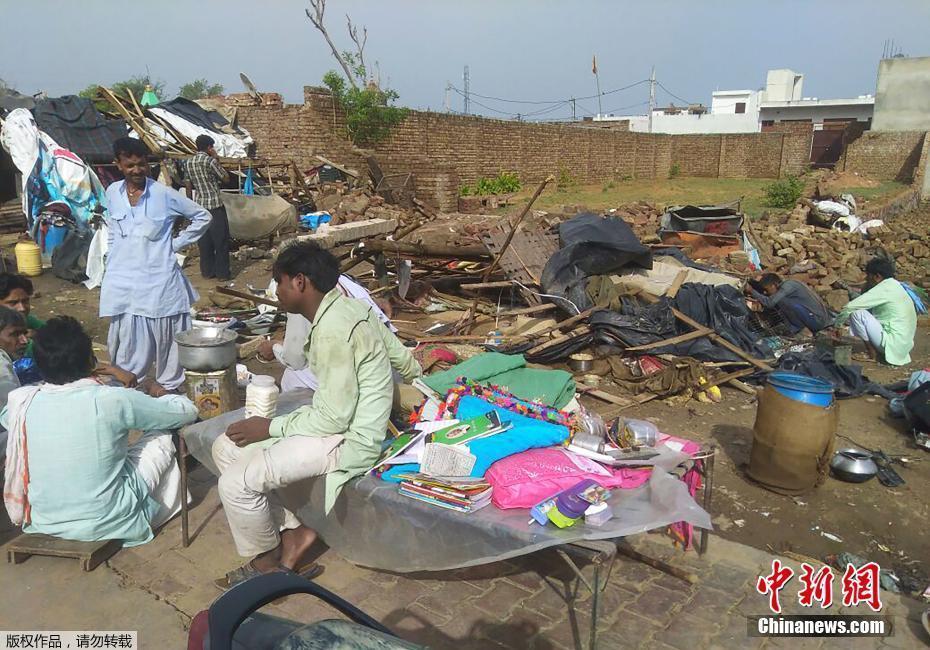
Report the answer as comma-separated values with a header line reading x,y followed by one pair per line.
x,y
526,433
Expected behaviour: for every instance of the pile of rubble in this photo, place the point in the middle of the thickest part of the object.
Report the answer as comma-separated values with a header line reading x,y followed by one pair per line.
x,y
829,260
349,205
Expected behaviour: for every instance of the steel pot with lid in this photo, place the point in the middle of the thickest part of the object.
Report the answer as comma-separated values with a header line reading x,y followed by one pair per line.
x,y
853,465
206,350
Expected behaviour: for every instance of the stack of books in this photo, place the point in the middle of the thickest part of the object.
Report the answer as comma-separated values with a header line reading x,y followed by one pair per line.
x,y
455,493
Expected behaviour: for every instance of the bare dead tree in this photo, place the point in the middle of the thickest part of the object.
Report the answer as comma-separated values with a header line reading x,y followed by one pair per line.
x,y
316,18
359,44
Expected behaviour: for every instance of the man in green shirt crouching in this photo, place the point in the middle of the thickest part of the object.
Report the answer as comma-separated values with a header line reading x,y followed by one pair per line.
x,y
883,316
353,355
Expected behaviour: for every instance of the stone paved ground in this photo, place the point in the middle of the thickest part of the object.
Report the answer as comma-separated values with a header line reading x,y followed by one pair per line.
x,y
524,603
514,604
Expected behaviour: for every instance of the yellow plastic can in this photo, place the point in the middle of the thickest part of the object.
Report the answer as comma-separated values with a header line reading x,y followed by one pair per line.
x,y
28,258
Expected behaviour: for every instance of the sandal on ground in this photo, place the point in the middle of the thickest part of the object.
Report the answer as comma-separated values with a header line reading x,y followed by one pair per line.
x,y
309,571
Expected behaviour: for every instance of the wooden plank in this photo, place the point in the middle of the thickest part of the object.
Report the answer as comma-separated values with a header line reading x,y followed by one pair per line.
x,y
716,338
477,286
568,322
730,377
245,296
344,170
738,385
424,250
455,338
610,398
524,259
535,309
681,338
91,554
676,283
557,340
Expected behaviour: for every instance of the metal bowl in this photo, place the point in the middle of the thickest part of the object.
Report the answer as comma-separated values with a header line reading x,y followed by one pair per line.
x,y
206,350
853,465
581,362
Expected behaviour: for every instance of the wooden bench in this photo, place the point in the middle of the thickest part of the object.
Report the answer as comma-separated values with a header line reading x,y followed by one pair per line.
x,y
91,554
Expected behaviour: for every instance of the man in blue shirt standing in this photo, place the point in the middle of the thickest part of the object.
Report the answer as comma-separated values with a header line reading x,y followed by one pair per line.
x,y
144,291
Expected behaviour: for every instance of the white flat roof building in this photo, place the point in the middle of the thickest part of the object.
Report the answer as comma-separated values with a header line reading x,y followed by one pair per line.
x,y
750,111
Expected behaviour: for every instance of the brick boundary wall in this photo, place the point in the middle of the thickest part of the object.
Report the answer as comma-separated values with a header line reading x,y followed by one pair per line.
x,y
887,155
445,151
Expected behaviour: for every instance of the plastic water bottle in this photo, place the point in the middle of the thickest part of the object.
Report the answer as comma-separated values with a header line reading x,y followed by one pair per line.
x,y
261,397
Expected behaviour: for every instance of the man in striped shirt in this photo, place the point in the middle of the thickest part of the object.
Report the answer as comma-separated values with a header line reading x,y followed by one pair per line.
x,y
204,174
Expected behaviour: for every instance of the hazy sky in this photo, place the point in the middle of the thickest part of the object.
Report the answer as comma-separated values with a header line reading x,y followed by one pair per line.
x,y
516,49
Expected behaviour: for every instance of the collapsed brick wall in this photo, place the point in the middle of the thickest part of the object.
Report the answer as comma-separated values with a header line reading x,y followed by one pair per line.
x,y
885,155
445,151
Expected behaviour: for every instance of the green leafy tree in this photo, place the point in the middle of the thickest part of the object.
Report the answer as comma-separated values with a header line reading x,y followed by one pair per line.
x,y
199,88
370,111
369,108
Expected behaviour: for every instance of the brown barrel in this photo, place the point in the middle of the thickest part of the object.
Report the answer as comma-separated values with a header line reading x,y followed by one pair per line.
x,y
792,443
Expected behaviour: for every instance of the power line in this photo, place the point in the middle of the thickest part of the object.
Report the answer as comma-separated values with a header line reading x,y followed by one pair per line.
x,y
659,83
556,101
477,103
625,108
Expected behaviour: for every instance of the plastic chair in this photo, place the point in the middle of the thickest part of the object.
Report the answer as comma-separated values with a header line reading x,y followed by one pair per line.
x,y
233,615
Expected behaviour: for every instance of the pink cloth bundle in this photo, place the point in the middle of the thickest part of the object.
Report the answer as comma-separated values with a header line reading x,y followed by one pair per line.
x,y
525,479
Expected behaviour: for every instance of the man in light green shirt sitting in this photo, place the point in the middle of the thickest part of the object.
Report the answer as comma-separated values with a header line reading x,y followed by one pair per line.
x,y
883,316
339,436
80,478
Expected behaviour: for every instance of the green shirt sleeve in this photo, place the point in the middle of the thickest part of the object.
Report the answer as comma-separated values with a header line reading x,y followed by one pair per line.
x,y
874,297
335,401
139,411
401,359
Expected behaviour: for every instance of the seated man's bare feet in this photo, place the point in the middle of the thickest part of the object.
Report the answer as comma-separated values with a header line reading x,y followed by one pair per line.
x,y
295,544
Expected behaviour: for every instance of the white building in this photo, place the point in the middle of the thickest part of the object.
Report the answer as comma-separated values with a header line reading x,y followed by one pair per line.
x,y
750,111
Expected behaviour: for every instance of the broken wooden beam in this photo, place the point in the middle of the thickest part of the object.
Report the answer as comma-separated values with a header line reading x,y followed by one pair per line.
x,y
246,296
716,338
681,338
478,286
344,170
426,250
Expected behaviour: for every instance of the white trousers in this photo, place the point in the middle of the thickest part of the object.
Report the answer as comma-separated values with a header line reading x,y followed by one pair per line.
x,y
864,325
253,481
139,343
153,457
298,379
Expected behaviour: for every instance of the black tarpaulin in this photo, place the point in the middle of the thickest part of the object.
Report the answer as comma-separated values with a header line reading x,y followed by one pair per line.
x,y
195,114
76,124
847,381
591,245
721,309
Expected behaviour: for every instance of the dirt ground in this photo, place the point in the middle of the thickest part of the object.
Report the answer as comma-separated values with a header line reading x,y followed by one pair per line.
x,y
878,523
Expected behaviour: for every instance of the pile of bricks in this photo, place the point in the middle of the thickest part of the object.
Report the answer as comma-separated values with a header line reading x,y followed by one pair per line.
x,y
830,260
359,204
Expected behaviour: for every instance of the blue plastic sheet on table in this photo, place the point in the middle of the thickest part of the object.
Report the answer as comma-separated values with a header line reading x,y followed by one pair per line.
x,y
373,525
